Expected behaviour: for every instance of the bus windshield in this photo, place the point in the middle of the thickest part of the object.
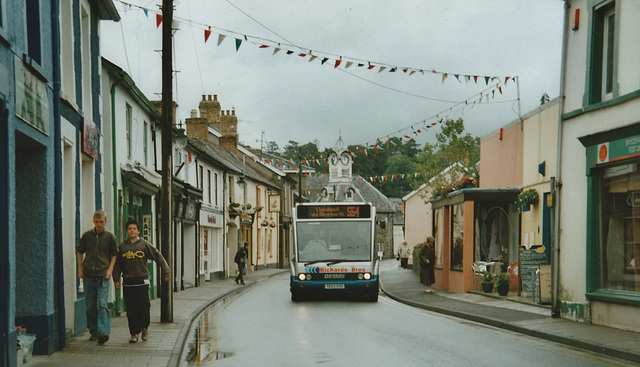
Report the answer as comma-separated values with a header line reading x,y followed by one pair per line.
x,y
333,241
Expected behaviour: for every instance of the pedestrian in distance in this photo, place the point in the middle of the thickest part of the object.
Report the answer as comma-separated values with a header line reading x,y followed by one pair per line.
x,y
239,259
427,257
404,253
131,265
96,255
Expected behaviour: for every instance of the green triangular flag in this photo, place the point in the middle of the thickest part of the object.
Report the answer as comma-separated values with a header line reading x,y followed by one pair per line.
x,y
238,43
486,80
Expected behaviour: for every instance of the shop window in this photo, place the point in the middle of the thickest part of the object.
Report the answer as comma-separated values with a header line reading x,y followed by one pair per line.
x,y
457,235
438,234
620,228
603,55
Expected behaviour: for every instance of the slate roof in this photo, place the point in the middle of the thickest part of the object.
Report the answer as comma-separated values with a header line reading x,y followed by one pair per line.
x,y
227,160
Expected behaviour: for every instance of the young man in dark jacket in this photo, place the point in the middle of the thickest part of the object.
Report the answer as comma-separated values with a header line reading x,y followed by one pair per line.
x,y
96,255
131,263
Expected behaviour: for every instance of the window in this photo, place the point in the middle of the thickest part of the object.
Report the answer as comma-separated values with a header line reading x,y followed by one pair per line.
x,y
215,189
128,118
457,235
145,144
201,178
620,207
603,54
3,18
209,186
32,22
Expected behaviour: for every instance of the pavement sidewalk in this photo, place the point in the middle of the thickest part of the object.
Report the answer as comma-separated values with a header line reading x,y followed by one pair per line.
x,y
166,340
508,313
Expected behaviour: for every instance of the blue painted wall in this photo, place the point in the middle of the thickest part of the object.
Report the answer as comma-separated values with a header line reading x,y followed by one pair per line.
x,y
26,201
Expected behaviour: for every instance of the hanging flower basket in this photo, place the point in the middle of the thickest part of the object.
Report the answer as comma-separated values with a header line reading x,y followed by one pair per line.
x,y
265,223
528,197
272,224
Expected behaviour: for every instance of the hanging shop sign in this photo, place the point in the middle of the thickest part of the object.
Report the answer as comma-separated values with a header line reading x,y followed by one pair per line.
x,y
90,139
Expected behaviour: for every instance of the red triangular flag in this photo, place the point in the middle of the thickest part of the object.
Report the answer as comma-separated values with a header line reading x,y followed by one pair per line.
x,y
337,63
207,33
158,20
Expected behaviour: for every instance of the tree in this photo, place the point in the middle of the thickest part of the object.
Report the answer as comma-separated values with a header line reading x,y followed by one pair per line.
x,y
272,148
400,171
452,145
308,152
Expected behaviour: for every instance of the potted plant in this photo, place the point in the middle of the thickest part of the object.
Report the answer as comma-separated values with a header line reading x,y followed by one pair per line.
x,y
234,210
503,281
487,282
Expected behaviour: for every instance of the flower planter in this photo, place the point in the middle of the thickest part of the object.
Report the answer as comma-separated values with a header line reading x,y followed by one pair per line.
x,y
487,287
503,289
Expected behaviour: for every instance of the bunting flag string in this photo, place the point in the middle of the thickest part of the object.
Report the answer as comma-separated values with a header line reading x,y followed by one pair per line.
x,y
338,60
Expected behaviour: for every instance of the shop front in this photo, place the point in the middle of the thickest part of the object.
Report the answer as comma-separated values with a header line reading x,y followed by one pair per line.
x,y
613,230
211,244
471,226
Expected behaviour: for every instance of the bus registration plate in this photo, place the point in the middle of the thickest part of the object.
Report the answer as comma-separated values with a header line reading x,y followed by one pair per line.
x,y
334,286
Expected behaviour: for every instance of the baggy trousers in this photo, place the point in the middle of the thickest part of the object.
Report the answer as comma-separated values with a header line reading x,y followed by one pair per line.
x,y
136,299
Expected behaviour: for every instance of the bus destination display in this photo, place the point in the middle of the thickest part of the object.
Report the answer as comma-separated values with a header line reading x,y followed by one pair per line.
x,y
333,211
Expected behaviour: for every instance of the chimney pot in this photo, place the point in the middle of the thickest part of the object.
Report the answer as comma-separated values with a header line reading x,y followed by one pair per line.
x,y
228,112
215,97
194,114
233,112
204,97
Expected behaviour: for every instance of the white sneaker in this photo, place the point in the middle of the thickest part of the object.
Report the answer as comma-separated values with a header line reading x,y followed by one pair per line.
x,y
134,338
145,334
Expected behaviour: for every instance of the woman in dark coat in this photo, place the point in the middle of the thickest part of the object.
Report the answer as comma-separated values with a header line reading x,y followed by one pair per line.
x,y
427,256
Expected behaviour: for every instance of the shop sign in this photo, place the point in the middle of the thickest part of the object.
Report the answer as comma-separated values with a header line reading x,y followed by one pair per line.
x,y
32,100
146,227
90,139
618,150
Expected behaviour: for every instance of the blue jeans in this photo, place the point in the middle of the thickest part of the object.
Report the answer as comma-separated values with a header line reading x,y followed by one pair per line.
x,y
96,292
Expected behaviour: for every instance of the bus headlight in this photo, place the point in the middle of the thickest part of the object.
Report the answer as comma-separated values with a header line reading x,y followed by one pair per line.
x,y
301,277
367,276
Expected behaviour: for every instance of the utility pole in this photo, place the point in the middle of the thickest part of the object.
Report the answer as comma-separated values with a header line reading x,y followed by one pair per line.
x,y
166,291
300,179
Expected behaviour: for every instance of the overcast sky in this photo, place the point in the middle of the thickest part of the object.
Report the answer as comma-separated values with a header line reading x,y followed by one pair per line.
x,y
281,97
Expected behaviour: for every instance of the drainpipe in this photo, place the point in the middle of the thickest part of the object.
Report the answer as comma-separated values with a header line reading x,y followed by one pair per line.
x,y
557,182
114,161
57,156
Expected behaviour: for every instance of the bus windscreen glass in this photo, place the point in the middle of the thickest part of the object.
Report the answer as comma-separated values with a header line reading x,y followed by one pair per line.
x,y
334,241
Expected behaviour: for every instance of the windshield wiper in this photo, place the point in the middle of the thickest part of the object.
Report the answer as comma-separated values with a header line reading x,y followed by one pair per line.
x,y
312,262
336,262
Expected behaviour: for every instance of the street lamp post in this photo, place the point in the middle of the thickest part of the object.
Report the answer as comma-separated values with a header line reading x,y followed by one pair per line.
x,y
166,292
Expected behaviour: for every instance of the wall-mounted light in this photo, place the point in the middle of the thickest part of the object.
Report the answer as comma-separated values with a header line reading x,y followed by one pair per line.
x,y
241,181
